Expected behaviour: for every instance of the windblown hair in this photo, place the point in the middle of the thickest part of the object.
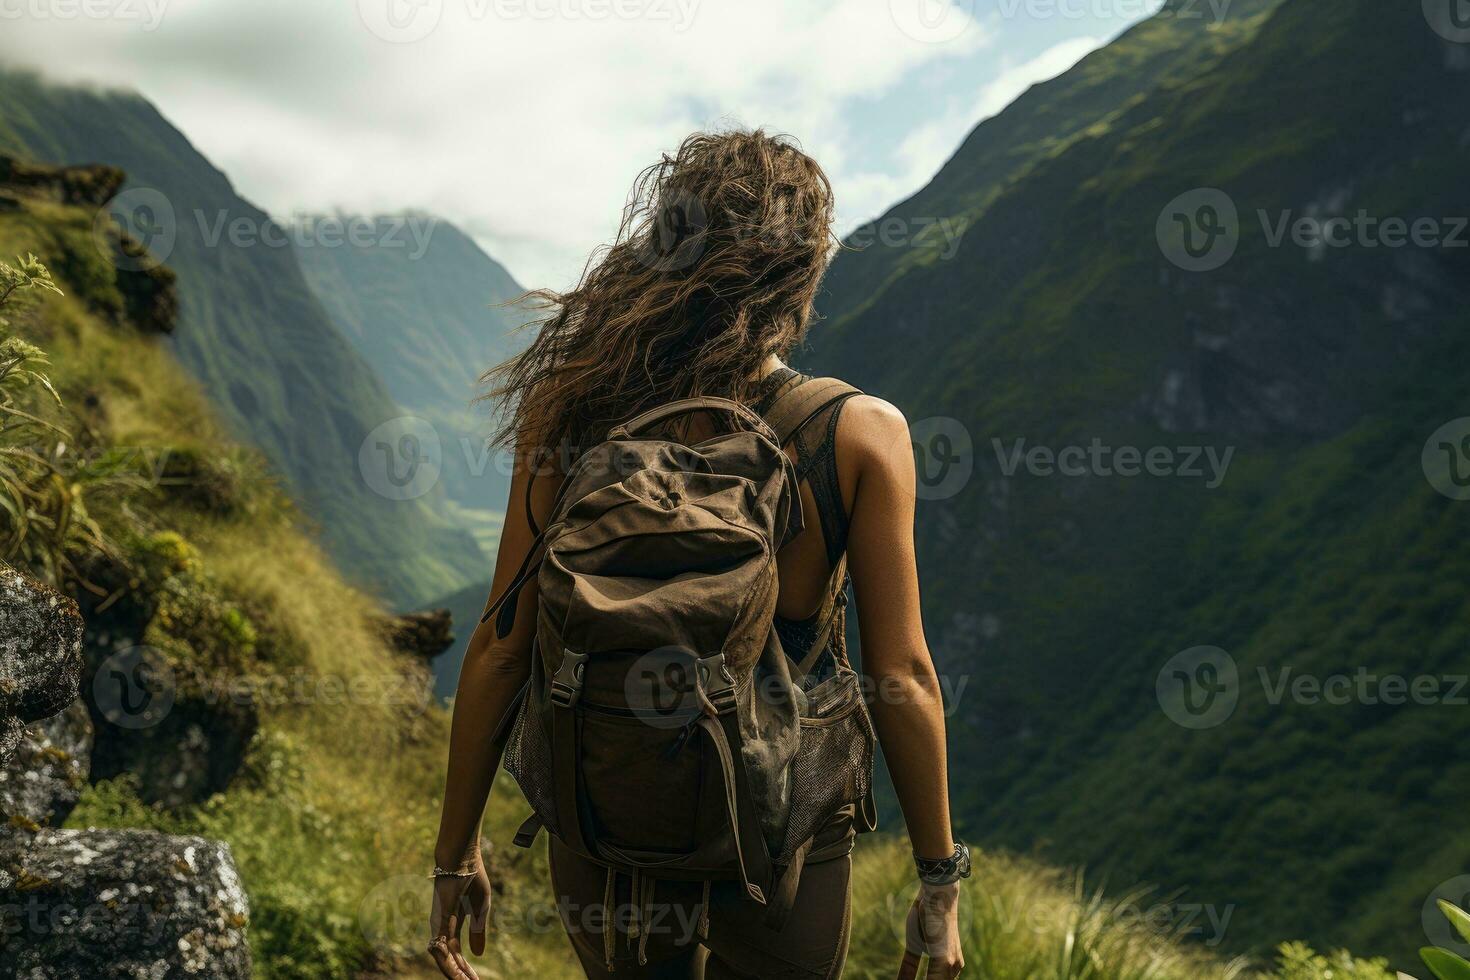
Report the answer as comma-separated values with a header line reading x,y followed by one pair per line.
x,y
714,268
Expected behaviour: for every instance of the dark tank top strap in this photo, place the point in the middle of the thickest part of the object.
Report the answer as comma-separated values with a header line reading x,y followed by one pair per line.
x,y
816,454
816,449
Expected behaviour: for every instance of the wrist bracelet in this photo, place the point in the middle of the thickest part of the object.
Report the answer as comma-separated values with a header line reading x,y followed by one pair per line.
x,y
469,862
461,872
945,871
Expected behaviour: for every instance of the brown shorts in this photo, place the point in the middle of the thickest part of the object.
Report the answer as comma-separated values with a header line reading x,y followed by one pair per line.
x,y
812,943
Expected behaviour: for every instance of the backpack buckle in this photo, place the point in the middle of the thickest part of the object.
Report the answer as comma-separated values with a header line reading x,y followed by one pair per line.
x,y
566,686
716,682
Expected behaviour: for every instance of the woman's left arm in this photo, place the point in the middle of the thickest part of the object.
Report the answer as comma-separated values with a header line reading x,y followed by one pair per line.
x,y
494,671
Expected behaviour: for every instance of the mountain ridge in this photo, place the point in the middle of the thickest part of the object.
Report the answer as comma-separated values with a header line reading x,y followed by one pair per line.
x,y
253,334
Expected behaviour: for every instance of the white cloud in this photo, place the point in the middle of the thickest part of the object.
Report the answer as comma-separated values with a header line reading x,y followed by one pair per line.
x,y
525,129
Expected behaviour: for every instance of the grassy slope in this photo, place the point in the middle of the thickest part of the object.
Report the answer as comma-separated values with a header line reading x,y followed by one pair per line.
x,y
332,819
1325,550
276,369
430,325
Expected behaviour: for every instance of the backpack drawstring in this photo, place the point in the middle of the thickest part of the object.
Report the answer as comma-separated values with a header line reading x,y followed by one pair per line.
x,y
641,896
635,899
704,912
608,922
644,923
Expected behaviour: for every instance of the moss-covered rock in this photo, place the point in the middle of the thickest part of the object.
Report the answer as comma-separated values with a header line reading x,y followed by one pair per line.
x,y
42,782
83,905
40,653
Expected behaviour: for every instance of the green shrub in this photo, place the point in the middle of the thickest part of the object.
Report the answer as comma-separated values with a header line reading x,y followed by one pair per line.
x,y
44,477
1299,961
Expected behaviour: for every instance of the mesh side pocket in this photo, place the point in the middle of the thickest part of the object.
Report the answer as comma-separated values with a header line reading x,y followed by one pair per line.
x,y
832,769
528,760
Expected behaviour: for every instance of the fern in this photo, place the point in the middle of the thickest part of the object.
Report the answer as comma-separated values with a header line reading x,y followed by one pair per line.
x,y
43,515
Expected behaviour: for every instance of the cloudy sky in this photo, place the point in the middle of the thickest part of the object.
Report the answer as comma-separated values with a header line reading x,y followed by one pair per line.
x,y
525,121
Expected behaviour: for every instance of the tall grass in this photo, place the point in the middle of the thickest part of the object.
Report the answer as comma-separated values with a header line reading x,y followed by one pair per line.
x,y
1024,921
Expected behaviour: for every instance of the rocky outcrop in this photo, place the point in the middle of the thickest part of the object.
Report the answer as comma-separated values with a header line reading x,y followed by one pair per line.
x,y
147,289
42,782
182,733
193,752
89,185
40,654
421,634
182,738
134,904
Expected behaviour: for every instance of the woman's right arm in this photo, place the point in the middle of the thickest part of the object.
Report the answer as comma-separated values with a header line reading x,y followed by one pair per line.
x,y
906,702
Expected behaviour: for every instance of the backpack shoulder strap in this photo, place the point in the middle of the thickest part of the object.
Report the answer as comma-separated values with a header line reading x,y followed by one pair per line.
x,y
801,402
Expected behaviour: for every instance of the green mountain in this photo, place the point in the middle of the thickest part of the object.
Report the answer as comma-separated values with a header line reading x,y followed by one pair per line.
x,y
1090,304
425,307
276,368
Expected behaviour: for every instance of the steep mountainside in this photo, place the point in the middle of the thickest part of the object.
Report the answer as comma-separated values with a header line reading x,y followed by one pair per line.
x,y
235,683
277,369
1043,120
1095,303
424,305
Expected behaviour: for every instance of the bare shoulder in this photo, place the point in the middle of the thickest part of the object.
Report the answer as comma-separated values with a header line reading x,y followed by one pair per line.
x,y
872,434
870,424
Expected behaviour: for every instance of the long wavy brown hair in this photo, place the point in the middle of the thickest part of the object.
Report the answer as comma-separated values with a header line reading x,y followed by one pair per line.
x,y
714,268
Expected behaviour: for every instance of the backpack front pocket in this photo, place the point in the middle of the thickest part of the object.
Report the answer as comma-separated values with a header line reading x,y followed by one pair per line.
x,y
641,780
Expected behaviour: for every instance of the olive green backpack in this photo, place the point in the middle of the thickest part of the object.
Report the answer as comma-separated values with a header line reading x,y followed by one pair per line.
x,y
664,731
